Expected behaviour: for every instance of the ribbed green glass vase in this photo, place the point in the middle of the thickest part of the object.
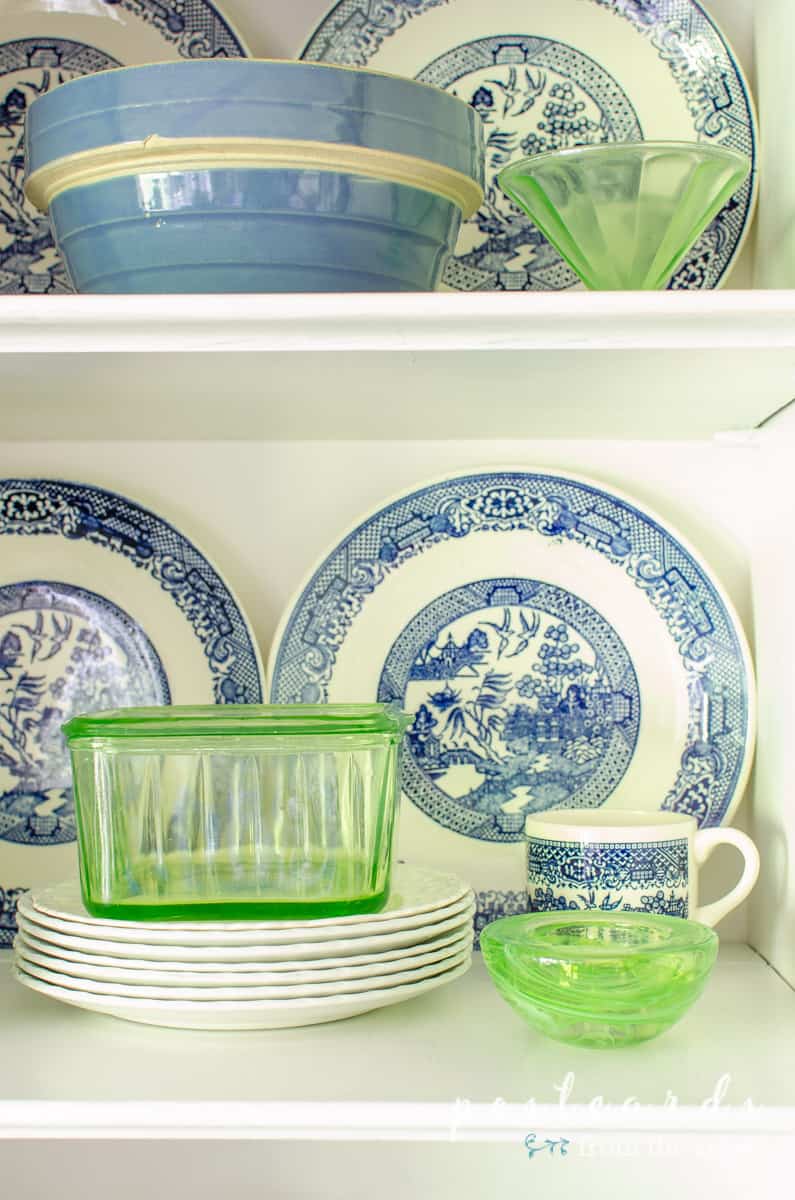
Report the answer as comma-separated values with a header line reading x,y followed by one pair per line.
x,y
624,215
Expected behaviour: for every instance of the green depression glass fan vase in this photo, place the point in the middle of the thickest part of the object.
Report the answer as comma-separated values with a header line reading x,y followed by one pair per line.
x,y
624,215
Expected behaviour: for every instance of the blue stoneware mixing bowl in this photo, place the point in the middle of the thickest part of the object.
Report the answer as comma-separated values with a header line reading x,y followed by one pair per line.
x,y
253,231
250,176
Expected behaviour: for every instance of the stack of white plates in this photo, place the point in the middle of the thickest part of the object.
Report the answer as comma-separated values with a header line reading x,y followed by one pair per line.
x,y
247,974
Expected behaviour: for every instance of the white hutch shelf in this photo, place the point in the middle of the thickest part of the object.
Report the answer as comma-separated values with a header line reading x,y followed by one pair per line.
x,y
442,1092
398,367
456,1064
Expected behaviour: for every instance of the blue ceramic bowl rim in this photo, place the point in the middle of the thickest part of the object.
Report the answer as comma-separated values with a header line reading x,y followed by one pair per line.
x,y
450,129
194,64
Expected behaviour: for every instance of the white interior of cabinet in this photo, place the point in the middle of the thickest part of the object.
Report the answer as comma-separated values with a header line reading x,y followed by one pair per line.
x,y
264,509
264,455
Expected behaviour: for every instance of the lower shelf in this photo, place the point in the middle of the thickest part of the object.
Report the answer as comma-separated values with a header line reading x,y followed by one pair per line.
x,y
456,1064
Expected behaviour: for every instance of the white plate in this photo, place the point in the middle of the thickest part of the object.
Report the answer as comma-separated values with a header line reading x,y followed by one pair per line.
x,y
548,74
259,991
255,953
44,44
103,604
558,645
252,1014
415,890
72,962
347,979
238,935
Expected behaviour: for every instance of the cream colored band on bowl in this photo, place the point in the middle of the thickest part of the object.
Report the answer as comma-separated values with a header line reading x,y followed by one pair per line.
x,y
156,154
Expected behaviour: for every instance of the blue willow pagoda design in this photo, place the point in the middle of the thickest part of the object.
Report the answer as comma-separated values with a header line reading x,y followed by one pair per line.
x,y
549,508
524,698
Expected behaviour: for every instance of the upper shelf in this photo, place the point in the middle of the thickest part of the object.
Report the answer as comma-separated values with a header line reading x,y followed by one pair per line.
x,y
451,322
579,364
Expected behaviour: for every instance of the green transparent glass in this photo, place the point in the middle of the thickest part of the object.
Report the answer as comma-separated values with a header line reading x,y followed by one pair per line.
x,y
599,979
236,811
624,215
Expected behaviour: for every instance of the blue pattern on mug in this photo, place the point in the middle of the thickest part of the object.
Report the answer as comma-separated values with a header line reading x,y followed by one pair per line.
x,y
645,876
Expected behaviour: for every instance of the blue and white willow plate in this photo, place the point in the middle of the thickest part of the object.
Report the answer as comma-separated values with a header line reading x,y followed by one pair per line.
x,y
549,74
556,644
42,45
102,604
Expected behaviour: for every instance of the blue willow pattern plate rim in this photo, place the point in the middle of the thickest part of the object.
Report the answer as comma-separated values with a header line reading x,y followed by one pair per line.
x,y
74,511
154,545
335,590
670,27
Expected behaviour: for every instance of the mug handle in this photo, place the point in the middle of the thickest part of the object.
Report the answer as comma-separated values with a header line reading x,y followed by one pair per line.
x,y
705,842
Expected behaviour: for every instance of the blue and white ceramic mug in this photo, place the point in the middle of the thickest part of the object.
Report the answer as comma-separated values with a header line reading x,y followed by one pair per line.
x,y
629,861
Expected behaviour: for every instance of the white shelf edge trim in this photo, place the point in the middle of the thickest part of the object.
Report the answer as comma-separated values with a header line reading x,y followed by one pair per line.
x,y
421,322
356,1121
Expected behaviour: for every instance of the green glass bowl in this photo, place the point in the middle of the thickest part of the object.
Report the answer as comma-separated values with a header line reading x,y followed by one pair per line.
x,y
624,215
599,979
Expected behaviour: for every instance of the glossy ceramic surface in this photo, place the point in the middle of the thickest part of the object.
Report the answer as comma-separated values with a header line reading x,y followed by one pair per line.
x,y
127,971
557,646
305,948
172,991
253,231
227,934
44,44
350,966
551,74
249,98
242,1014
629,862
101,601
599,979
625,216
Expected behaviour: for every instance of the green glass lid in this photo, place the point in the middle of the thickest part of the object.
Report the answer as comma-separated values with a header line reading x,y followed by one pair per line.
x,y
237,720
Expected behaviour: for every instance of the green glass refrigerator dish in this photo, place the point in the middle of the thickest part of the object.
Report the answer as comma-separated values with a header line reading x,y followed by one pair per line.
x,y
236,811
599,979
624,215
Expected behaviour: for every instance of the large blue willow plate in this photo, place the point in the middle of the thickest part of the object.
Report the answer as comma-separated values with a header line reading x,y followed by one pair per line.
x,y
102,604
556,644
549,74
43,45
